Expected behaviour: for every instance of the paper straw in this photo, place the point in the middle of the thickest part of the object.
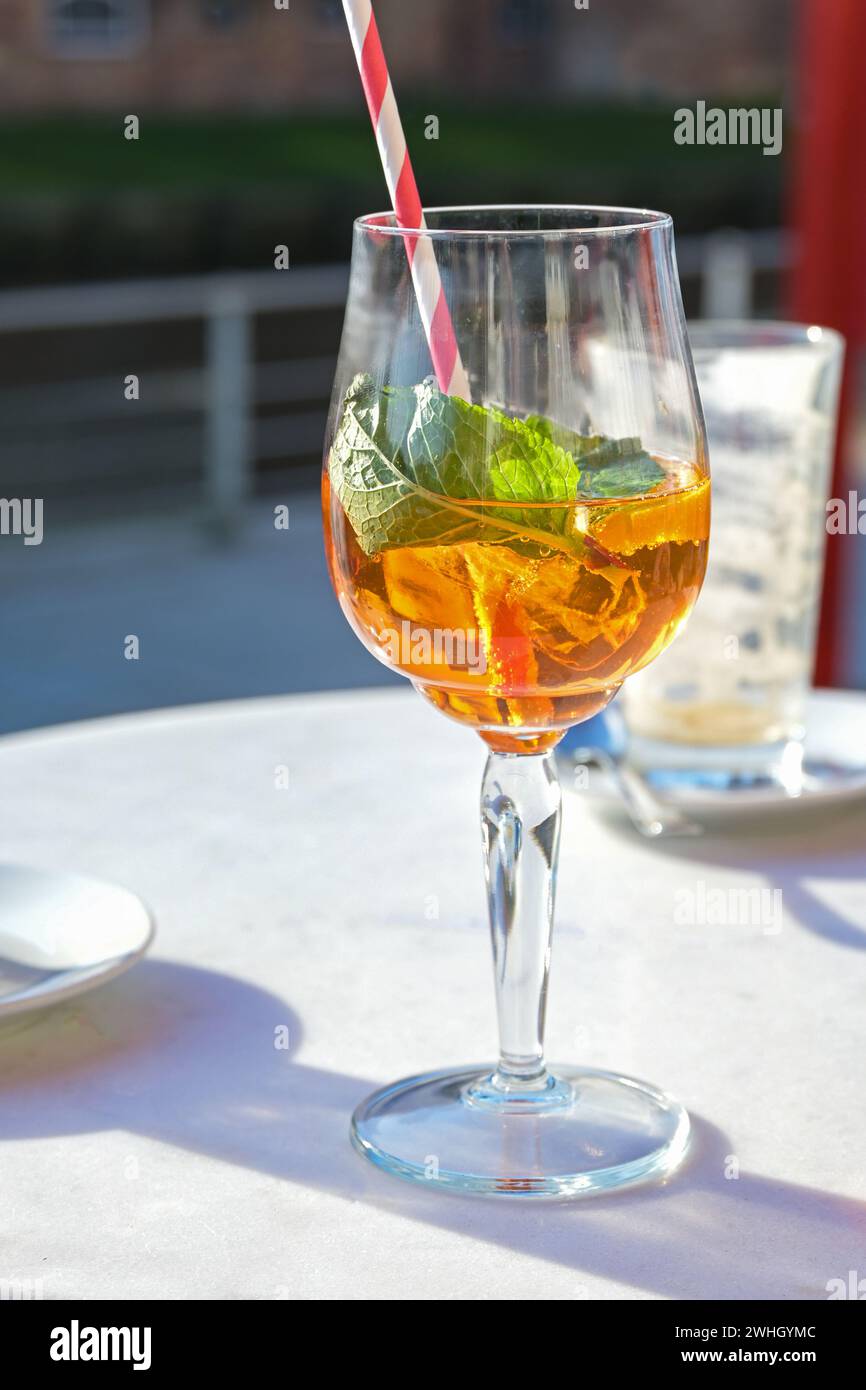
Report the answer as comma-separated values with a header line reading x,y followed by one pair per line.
x,y
432,305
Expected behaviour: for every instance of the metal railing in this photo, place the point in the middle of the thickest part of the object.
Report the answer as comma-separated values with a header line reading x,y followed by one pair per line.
x,y
215,408
225,392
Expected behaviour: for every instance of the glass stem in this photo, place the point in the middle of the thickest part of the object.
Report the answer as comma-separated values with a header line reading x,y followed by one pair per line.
x,y
520,815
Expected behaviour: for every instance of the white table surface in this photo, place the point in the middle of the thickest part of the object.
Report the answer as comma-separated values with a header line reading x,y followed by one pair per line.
x,y
155,1143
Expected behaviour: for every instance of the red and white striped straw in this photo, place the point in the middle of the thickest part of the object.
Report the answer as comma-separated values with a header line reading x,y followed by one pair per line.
x,y
432,305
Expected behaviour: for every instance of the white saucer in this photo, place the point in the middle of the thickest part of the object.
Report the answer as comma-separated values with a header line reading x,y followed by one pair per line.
x,y
62,934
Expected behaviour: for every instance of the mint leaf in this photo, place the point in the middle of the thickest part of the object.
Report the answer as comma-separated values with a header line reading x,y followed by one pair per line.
x,y
411,466
609,468
629,475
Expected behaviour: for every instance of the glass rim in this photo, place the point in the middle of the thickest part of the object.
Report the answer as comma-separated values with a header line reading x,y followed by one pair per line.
x,y
640,220
746,333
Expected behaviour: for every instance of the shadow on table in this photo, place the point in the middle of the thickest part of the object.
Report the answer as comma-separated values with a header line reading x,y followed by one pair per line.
x,y
187,1056
794,850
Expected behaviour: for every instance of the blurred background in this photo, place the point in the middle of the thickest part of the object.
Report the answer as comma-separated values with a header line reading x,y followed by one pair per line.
x,y
163,386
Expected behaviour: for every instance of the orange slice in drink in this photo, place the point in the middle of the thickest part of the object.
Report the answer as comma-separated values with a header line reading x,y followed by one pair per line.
x,y
677,516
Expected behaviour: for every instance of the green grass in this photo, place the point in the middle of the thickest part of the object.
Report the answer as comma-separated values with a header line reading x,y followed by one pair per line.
x,y
78,200
221,153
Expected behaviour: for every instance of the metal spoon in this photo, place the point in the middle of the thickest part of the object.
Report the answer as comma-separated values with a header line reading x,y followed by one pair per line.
x,y
601,742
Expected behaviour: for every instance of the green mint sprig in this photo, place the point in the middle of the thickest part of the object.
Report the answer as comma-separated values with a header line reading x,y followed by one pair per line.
x,y
410,466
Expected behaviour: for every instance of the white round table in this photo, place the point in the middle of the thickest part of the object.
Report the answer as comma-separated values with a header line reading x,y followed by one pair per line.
x,y
313,864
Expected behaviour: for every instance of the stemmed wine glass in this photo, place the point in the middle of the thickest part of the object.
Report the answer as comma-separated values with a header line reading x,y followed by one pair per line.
x,y
517,557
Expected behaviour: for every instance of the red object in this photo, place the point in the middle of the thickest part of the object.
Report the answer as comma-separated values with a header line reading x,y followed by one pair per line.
x,y
828,214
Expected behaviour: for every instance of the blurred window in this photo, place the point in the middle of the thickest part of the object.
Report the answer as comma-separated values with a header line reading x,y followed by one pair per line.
x,y
329,14
222,14
523,21
326,22
97,28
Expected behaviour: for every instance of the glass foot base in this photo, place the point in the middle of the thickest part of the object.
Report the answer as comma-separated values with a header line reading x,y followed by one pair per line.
x,y
596,1132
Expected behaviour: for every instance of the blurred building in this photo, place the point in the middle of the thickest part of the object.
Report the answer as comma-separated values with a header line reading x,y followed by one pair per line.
x,y
248,54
